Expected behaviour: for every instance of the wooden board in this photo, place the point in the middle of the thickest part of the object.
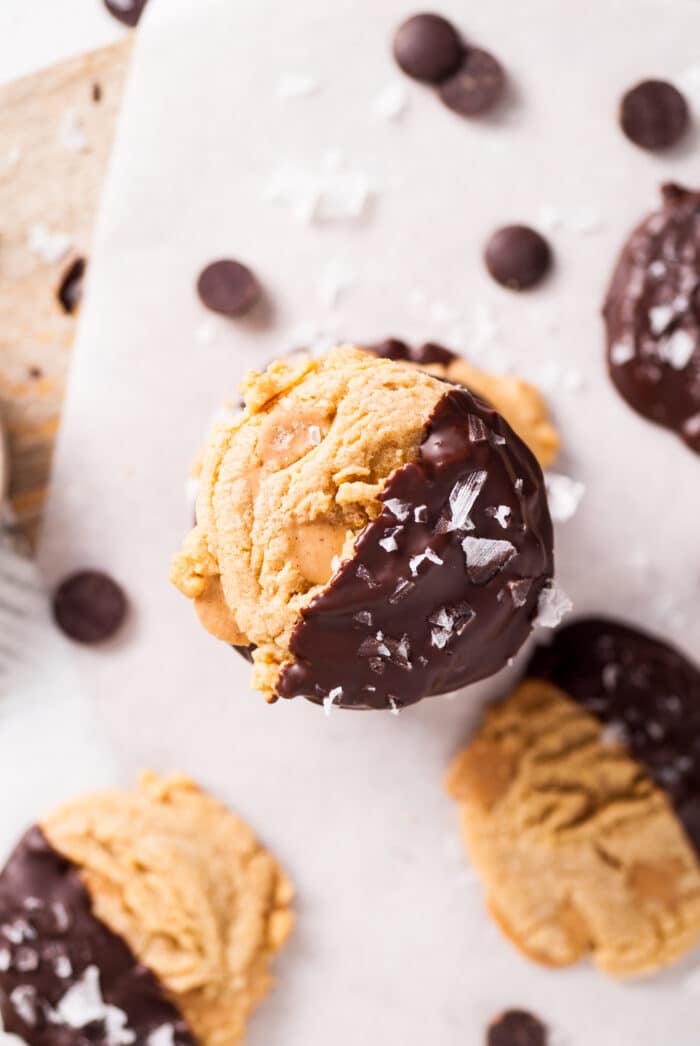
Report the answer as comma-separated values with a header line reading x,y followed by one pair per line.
x,y
56,132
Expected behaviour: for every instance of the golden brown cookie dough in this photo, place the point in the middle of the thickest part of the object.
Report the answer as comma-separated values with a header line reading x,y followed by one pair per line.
x,y
271,517
579,851
186,884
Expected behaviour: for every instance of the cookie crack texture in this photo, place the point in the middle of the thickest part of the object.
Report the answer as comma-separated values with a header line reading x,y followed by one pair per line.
x,y
580,852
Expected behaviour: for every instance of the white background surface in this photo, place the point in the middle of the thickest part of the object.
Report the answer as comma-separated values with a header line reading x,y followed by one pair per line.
x,y
35,33
393,946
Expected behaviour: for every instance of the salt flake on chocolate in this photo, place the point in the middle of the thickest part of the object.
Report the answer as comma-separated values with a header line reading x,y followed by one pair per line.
x,y
415,562
389,543
83,1003
519,591
403,588
163,1036
462,500
486,557
679,349
24,1001
621,353
501,513
398,508
364,575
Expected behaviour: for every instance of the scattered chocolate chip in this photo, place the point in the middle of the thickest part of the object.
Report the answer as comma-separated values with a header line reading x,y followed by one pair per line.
x,y
97,93
36,373
89,606
427,47
70,290
516,1028
517,257
654,115
228,287
127,11
477,85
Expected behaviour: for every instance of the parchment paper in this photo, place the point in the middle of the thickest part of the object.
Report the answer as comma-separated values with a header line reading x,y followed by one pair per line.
x,y
393,945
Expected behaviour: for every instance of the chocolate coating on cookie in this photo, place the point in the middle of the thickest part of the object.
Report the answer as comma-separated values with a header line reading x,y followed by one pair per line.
x,y
51,941
442,588
647,688
652,314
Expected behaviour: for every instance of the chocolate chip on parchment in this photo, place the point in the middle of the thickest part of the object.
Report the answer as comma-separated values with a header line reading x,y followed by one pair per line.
x,y
228,287
70,290
517,257
477,85
126,11
89,606
654,115
427,47
516,1028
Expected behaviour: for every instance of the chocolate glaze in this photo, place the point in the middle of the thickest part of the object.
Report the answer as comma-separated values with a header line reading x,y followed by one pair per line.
x,y
48,928
424,606
627,677
395,349
652,313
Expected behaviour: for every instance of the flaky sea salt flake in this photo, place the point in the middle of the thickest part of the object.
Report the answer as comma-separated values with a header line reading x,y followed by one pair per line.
x,y
679,349
621,353
486,557
394,706
519,591
389,543
296,85
552,607
420,514
391,102
501,513
364,575
563,495
51,247
71,133
333,697
163,1036
363,617
415,562
400,509
83,1003
463,498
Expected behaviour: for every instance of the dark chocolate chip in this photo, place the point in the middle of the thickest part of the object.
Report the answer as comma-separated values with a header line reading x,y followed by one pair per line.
x,y
653,320
228,287
477,85
427,47
643,686
423,606
89,606
70,291
517,257
49,936
654,115
36,373
517,1028
391,349
127,11
97,93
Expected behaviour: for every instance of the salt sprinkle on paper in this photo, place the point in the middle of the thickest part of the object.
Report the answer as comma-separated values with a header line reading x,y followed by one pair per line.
x,y
563,495
296,85
51,247
391,102
71,133
552,607
330,194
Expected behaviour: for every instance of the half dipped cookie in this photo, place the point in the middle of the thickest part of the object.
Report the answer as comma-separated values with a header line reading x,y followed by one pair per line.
x,y
370,533
580,799
144,918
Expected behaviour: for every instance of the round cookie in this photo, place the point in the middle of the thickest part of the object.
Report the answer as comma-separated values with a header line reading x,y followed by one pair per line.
x,y
652,316
147,917
573,822
520,403
376,535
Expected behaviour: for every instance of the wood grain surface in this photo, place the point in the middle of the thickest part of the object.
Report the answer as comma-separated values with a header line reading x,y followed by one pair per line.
x,y
56,132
